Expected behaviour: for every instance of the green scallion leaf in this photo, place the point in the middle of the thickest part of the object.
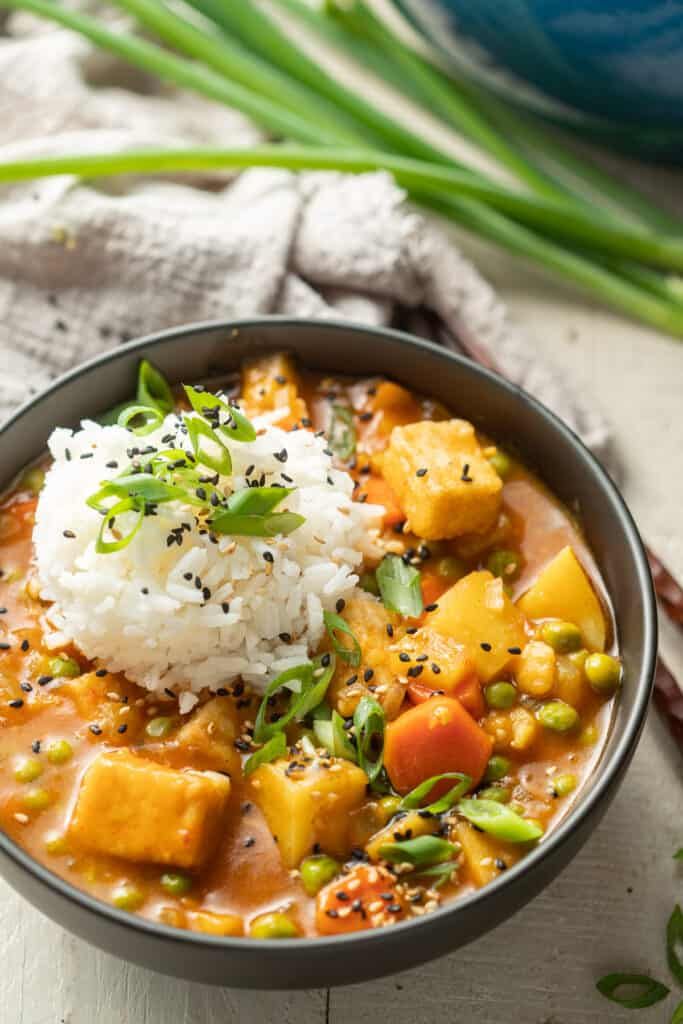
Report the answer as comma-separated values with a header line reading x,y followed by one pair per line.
x,y
219,460
150,419
256,501
678,1015
328,726
674,941
499,821
414,799
421,852
399,586
236,425
678,855
333,624
248,512
308,683
641,991
369,724
341,435
153,389
439,874
274,748
105,547
140,485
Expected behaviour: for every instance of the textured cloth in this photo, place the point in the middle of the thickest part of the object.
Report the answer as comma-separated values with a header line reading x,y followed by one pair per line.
x,y
84,266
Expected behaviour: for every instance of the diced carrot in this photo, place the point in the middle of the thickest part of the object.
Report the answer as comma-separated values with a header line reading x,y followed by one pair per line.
x,y
380,493
431,738
433,587
358,901
418,693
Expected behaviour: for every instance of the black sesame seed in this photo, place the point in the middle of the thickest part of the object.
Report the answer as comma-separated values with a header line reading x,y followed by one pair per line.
x,y
286,638
390,629
365,417
25,645
422,471
122,728
351,680
18,703
368,674
242,746
206,593
198,583
500,864
67,455
44,680
26,687
86,455
415,671
145,591
435,669
431,607
69,534
332,912
187,576
282,455
35,746
3,611
411,631
225,607
95,729
268,556
514,650
279,379
250,841
485,647
112,465
394,908
4,646
342,896
403,656
422,657
464,476
325,660
340,605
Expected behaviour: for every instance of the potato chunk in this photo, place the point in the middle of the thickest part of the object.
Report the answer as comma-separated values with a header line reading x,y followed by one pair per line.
x,y
454,665
443,482
563,591
407,826
484,858
136,809
308,804
270,383
368,619
209,736
477,613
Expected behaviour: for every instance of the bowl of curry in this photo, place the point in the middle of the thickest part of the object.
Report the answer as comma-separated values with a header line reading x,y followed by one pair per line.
x,y
323,650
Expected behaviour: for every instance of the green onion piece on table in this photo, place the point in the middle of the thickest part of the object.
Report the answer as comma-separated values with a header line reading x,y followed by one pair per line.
x,y
399,586
678,855
499,821
334,624
674,942
678,1015
638,992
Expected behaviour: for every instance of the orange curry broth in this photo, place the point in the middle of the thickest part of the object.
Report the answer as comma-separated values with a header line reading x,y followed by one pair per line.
x,y
245,876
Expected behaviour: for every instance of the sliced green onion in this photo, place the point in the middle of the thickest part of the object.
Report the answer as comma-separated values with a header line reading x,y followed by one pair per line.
x,y
439,874
678,1015
105,547
674,939
333,624
678,855
139,485
257,501
414,799
329,730
341,435
310,680
151,419
641,991
399,586
274,748
499,821
369,723
421,852
249,513
153,389
238,427
220,461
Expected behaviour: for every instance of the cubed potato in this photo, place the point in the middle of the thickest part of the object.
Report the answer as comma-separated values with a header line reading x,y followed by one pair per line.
x,y
212,923
141,811
443,482
368,618
270,383
410,825
536,669
512,730
209,736
109,702
484,859
476,611
308,805
564,591
453,663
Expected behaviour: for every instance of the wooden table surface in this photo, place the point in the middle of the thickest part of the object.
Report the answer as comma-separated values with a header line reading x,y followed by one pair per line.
x,y
607,911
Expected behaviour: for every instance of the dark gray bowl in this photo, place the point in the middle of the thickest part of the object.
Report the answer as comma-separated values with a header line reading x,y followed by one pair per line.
x,y
506,413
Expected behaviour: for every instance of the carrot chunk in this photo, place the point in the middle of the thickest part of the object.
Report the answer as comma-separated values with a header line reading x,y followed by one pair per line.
x,y
380,493
365,898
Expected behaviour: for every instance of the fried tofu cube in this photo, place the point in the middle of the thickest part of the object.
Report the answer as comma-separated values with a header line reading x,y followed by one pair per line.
x,y
209,736
477,613
270,383
309,803
109,702
444,484
142,811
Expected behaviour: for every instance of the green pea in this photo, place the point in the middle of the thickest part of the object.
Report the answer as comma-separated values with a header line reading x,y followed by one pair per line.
x,y
128,897
33,480
368,582
497,768
563,637
603,673
273,926
37,799
159,727
175,883
563,785
501,794
504,563
389,805
59,752
500,695
62,666
56,845
317,871
450,567
558,716
589,736
28,769
501,462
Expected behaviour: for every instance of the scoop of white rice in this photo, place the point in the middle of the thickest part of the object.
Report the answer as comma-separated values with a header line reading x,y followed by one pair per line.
x,y
144,610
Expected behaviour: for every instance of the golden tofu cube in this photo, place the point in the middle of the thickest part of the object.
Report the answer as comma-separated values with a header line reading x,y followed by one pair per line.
x,y
108,702
309,804
209,736
142,811
564,591
450,658
270,383
444,484
477,613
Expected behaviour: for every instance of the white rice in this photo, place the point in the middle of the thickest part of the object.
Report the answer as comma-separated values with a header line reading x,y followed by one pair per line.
x,y
134,611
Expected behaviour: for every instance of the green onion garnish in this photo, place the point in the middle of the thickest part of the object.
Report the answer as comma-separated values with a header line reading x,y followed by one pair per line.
x,y
499,821
151,419
399,586
341,435
414,799
678,1015
236,426
329,730
368,722
641,991
139,485
153,389
678,855
308,684
275,747
219,459
439,874
421,852
674,939
333,624
249,513
104,547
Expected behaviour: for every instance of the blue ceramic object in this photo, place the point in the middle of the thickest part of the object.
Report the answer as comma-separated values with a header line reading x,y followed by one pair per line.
x,y
612,68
